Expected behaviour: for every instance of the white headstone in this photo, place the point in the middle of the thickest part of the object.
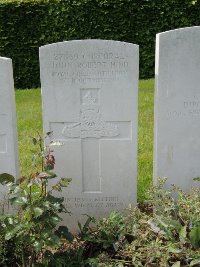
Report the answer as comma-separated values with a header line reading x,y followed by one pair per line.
x,y
8,131
89,91
177,107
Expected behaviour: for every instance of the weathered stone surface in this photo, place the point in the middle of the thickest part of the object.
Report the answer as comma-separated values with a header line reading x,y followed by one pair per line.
x,y
177,107
89,91
8,133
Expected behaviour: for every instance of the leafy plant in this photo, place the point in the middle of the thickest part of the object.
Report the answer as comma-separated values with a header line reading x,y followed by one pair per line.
x,y
34,229
109,231
162,232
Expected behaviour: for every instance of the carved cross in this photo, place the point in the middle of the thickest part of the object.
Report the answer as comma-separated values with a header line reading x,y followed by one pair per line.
x,y
91,128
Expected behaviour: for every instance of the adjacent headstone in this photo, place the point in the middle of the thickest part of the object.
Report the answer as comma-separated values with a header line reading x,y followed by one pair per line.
x,y
8,133
89,92
177,107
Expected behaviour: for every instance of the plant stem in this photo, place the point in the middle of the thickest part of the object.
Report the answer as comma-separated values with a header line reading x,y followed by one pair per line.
x,y
23,259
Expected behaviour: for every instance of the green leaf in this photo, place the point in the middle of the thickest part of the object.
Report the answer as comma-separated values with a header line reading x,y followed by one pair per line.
x,y
55,220
183,233
196,179
37,211
174,250
56,143
57,187
12,232
46,204
51,174
8,235
177,264
6,178
64,233
48,167
10,220
53,241
195,262
195,237
19,200
79,225
64,182
53,199
38,244
46,175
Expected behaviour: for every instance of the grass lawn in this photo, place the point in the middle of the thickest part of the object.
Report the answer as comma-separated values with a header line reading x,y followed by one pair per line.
x,y
29,122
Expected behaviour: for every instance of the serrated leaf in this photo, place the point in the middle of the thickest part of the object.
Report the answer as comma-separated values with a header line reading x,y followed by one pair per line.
x,y
57,187
64,182
6,178
51,174
37,211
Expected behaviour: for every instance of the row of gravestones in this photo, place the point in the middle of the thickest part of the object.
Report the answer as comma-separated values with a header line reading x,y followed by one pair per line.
x,y
90,95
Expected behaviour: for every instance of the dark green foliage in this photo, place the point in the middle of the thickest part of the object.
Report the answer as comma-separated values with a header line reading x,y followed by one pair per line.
x,y
25,25
161,232
29,235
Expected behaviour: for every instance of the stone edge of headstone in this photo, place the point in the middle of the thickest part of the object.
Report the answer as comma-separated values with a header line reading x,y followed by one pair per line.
x,y
86,40
159,37
11,93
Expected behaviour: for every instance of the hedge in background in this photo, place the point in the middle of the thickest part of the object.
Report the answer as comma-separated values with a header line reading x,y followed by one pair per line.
x,y
25,25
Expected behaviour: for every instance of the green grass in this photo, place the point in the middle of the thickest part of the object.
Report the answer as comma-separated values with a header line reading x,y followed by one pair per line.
x,y
29,124
29,121
145,136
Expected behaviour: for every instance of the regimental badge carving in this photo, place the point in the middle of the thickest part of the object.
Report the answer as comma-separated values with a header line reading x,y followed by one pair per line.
x,y
91,123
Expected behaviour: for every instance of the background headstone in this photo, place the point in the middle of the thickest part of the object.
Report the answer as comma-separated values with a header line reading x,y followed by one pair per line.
x,y
177,107
8,131
89,92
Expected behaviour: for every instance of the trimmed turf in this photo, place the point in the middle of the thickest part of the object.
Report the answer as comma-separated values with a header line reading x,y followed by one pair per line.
x,y
29,122
145,136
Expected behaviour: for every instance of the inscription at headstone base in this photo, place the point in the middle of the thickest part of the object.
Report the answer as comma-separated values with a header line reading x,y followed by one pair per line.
x,y
89,92
177,111
8,133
